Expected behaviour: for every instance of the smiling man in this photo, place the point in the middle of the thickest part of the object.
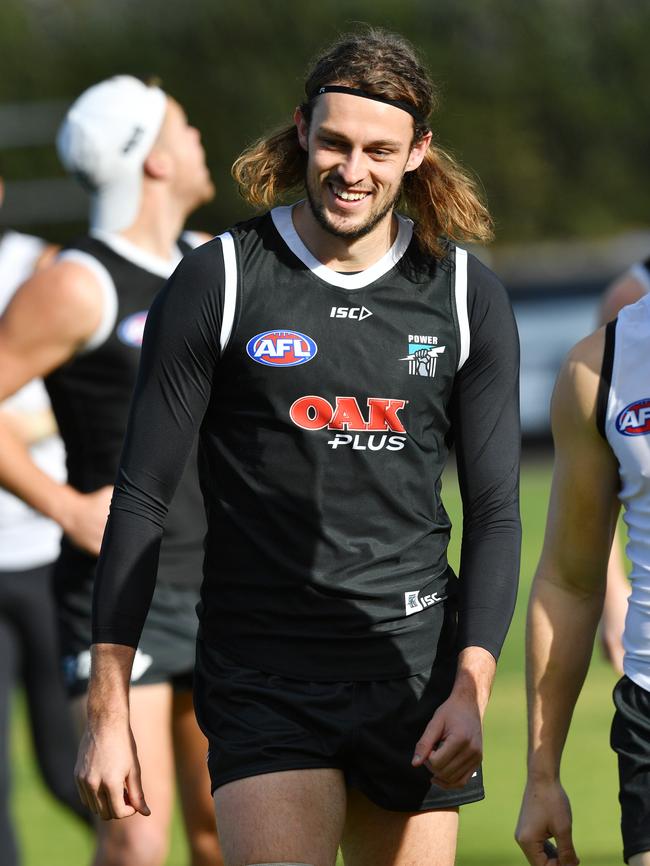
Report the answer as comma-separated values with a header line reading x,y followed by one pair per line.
x,y
329,352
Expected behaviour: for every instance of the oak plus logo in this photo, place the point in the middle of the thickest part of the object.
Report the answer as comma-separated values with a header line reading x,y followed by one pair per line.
x,y
281,348
358,314
634,420
372,428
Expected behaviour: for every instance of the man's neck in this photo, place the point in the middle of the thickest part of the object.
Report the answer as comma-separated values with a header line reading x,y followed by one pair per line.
x,y
156,229
342,254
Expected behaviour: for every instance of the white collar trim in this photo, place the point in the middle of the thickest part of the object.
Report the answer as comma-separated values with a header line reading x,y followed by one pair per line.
x,y
137,256
283,221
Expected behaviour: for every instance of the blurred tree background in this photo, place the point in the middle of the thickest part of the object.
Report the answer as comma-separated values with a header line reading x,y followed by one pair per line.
x,y
547,101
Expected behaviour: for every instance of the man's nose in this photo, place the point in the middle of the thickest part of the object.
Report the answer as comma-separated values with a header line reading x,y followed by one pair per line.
x,y
351,168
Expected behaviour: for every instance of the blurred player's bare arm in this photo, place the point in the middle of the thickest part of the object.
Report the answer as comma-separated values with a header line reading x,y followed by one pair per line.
x,y
48,320
567,595
612,622
29,427
623,291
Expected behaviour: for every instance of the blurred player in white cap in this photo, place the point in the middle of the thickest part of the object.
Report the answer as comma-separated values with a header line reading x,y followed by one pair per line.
x,y
79,325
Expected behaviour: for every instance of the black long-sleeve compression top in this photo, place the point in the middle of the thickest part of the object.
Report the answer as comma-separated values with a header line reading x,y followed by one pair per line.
x,y
326,405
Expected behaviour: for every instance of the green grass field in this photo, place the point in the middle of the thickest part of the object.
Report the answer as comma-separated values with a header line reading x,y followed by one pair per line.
x,y
49,836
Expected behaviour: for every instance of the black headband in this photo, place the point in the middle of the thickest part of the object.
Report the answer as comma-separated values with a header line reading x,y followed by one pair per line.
x,y
355,91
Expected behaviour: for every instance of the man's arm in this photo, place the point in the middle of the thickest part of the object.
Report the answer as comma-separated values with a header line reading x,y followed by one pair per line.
x,y
628,289
567,595
29,426
180,352
48,319
485,422
108,760
612,623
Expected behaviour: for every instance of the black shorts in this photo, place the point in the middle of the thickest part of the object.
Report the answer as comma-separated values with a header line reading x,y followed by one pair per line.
x,y
166,650
630,739
260,723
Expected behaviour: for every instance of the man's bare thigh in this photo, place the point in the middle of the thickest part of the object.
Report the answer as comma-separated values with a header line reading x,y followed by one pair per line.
x,y
302,816
380,837
295,816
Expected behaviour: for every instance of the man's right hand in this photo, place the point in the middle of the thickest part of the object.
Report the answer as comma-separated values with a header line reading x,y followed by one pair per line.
x,y
545,813
83,517
108,772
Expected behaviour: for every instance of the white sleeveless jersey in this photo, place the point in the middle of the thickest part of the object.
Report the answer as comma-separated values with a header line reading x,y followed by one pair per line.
x,y
627,428
27,539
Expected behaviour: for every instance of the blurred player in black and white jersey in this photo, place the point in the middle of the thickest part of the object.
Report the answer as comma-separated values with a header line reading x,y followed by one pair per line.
x,y
339,667
80,326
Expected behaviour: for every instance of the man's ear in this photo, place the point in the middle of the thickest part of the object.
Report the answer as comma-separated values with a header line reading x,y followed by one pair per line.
x,y
158,164
302,128
418,152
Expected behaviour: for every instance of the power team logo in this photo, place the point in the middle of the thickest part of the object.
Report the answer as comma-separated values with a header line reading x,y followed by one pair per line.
x,y
281,348
423,354
634,420
365,430
131,329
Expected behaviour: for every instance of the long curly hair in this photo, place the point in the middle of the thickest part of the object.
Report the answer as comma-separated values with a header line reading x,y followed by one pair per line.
x,y
439,195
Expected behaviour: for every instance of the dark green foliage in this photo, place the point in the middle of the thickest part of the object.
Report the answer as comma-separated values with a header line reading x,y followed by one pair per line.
x,y
545,100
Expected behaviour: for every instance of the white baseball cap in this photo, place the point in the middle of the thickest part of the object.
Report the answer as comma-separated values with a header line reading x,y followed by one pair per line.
x,y
104,140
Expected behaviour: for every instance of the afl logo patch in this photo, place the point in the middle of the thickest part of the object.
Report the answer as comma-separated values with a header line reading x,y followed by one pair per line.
x,y
634,420
131,329
281,348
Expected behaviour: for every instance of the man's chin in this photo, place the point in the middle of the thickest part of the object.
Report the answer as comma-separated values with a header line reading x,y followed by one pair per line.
x,y
346,228
205,195
210,192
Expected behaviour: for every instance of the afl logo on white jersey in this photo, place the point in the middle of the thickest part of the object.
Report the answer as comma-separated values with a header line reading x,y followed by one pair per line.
x,y
634,420
131,329
281,348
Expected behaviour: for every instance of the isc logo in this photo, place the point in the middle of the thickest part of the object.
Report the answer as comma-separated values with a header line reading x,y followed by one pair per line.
x,y
416,601
281,348
358,313
634,420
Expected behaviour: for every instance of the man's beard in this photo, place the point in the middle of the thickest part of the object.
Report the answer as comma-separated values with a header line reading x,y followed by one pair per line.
x,y
356,232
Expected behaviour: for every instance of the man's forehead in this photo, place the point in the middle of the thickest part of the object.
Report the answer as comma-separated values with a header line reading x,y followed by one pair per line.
x,y
350,114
